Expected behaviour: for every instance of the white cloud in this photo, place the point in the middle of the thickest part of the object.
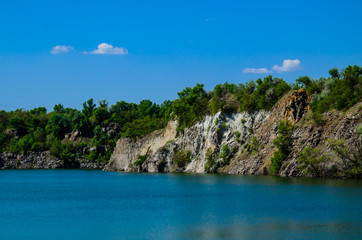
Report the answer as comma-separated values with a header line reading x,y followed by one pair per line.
x,y
105,48
288,66
256,70
61,49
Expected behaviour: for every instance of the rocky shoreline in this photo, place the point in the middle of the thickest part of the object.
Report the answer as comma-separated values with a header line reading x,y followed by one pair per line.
x,y
42,160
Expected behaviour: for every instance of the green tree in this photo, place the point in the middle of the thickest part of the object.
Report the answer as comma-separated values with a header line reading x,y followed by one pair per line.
x,y
58,108
58,125
88,108
305,81
284,143
334,72
19,125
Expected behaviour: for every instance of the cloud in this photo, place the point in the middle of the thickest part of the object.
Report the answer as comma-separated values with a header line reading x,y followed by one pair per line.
x,y
105,48
288,66
256,70
61,49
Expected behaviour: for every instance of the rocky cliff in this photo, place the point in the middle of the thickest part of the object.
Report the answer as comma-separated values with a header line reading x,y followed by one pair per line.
x,y
239,143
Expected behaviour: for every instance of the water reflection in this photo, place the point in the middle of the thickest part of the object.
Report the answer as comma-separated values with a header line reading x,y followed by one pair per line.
x,y
275,229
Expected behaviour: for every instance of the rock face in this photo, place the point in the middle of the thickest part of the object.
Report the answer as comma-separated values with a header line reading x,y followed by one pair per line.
x,y
249,138
297,105
37,160
41,160
161,146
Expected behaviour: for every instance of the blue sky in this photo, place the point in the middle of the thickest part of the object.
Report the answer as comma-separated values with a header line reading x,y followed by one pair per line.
x,y
160,47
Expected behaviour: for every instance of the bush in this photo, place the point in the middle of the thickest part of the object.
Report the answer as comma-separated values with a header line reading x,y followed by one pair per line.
x,y
318,118
140,160
182,158
350,164
237,136
313,162
284,143
225,154
210,165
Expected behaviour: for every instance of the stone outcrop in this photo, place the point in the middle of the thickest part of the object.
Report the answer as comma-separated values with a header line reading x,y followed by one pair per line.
x,y
297,105
248,136
41,160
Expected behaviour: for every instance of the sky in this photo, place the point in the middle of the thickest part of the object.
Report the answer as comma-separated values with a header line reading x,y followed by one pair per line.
x,y
70,51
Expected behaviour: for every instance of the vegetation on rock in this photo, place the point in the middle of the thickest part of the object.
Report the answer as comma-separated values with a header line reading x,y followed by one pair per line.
x,y
284,143
92,132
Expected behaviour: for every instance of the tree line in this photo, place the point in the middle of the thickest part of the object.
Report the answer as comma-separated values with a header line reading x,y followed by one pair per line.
x,y
100,125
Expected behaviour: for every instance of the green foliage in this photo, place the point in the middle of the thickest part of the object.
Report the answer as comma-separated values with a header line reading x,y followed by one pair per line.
x,y
284,143
334,72
305,81
58,125
88,108
55,146
225,154
237,136
2,141
210,165
318,118
38,111
18,124
182,158
251,130
38,130
224,98
101,114
100,138
313,162
350,165
141,127
340,92
254,146
58,108
191,105
264,95
140,160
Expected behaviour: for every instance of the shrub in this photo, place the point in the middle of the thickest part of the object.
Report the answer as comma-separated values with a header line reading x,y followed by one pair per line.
x,y
350,165
140,160
254,146
225,154
210,165
237,135
284,143
182,158
312,162
318,118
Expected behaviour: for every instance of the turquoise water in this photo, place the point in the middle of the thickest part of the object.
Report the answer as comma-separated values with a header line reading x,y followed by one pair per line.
x,y
81,204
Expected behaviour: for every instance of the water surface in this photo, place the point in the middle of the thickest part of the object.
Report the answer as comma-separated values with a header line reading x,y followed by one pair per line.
x,y
82,204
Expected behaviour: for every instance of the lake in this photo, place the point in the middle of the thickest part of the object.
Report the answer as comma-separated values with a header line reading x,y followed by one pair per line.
x,y
91,204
